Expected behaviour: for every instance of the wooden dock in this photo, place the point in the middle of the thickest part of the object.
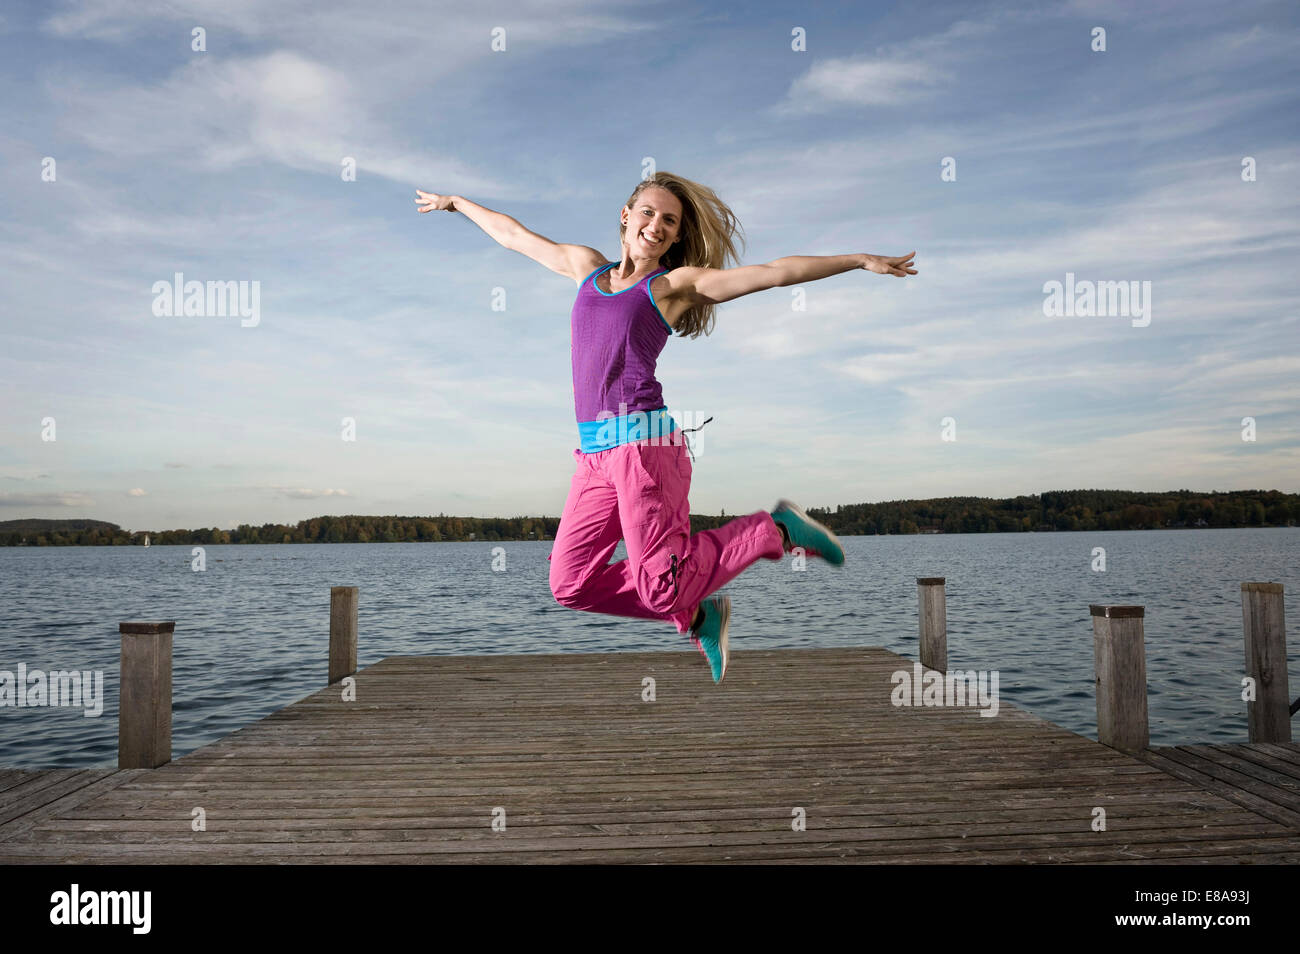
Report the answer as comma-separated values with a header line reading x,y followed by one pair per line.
x,y
558,758
1261,776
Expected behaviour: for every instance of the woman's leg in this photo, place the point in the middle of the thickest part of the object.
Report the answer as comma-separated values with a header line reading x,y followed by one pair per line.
x,y
581,576
668,567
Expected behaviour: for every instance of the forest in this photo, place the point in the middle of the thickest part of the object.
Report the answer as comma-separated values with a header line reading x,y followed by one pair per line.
x,y
1051,511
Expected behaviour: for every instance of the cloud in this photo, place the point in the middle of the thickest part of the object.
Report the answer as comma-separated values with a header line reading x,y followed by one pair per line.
x,y
835,83
321,78
225,165
1236,371
216,112
894,76
304,493
58,499
1149,10
135,492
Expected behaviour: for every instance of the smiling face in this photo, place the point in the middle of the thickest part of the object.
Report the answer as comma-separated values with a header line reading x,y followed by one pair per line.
x,y
653,223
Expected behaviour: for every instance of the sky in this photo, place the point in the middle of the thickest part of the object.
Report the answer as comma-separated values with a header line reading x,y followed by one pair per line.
x,y
998,141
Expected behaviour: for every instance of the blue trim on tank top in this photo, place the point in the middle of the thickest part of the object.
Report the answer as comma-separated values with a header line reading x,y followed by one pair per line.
x,y
595,436
654,304
612,294
588,278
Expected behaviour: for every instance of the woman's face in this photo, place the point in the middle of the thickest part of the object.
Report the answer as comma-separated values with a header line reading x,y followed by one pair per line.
x,y
653,223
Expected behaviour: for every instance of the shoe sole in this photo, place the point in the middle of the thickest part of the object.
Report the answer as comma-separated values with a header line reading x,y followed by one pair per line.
x,y
798,511
725,609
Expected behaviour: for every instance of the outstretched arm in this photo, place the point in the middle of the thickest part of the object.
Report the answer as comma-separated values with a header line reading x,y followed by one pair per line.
x,y
497,225
573,261
714,285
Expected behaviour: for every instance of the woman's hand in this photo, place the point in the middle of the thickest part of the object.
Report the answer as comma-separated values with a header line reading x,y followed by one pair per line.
x,y
900,265
432,202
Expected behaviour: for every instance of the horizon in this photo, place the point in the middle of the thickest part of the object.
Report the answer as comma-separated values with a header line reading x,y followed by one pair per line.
x,y
833,508
1163,168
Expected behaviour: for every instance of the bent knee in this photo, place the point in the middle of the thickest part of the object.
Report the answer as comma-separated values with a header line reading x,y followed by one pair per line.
x,y
566,592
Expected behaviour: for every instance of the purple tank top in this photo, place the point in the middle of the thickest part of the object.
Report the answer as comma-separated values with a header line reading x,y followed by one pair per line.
x,y
616,341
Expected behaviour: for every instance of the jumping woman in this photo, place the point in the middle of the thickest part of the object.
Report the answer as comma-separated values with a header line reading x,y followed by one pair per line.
x,y
633,469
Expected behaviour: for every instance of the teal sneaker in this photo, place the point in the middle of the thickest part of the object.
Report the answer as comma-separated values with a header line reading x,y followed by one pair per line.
x,y
803,531
710,637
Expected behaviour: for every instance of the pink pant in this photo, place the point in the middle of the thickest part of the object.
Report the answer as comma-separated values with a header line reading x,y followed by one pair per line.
x,y
637,492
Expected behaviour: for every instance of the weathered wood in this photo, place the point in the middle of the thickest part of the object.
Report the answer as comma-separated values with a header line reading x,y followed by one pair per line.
x,y
1286,751
1121,676
144,723
1246,760
1268,716
1170,809
1171,846
934,622
28,782
17,816
343,632
587,772
40,788
1224,768
1220,770
12,777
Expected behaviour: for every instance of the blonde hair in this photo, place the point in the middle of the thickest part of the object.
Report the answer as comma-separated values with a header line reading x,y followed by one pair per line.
x,y
704,238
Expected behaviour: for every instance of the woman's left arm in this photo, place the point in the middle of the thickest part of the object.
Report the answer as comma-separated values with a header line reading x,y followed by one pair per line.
x,y
809,268
716,285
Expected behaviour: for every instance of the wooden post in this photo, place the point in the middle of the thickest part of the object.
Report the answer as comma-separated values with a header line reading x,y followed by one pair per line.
x,y
144,709
343,632
1269,717
1119,656
934,622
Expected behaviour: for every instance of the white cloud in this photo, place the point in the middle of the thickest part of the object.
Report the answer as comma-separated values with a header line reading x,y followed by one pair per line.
x,y
894,75
69,498
836,83
306,493
216,114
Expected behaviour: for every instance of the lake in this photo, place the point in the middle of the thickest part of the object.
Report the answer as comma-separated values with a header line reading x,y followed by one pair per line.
x,y
252,630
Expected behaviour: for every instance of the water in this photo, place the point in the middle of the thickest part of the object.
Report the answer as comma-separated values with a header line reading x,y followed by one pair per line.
x,y
252,631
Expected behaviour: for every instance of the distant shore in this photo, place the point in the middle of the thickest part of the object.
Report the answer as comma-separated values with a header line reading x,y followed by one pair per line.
x,y
1063,510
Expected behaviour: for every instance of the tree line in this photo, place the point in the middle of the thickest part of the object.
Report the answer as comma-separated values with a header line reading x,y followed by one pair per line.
x,y
1071,510
326,529
1054,510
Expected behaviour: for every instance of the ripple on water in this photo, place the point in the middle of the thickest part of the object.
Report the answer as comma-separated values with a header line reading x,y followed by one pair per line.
x,y
251,633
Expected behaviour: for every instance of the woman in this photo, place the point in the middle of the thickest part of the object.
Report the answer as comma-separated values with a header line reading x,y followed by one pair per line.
x,y
633,470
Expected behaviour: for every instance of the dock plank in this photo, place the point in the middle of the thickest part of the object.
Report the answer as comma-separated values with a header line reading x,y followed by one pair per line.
x,y
585,771
52,792
1252,775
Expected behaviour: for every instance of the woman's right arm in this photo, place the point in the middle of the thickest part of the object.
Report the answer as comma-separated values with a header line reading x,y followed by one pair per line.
x,y
498,225
572,261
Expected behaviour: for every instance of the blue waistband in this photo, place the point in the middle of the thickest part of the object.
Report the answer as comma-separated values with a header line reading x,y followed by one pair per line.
x,y
596,436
